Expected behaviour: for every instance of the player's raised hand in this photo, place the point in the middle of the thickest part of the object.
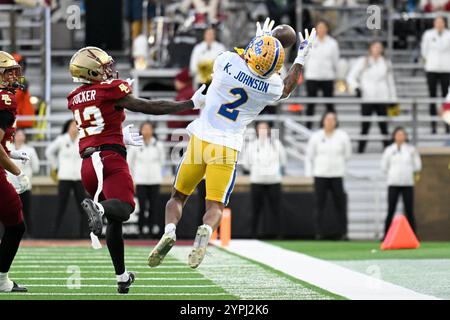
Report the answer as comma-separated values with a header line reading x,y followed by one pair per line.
x,y
132,138
198,98
306,43
21,183
266,30
19,155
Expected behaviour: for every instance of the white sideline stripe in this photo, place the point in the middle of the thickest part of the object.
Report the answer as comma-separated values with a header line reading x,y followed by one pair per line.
x,y
86,261
112,279
115,286
112,294
323,274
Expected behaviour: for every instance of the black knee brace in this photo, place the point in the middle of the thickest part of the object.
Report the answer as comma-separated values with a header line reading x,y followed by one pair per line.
x,y
117,210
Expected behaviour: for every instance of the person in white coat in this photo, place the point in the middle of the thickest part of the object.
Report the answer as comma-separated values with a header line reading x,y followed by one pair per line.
x,y
327,153
372,78
146,163
321,68
400,162
63,155
29,168
265,158
203,56
435,50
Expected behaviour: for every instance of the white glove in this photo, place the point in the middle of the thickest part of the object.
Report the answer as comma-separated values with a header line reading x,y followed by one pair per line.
x,y
305,45
130,81
21,183
266,29
199,98
132,138
19,155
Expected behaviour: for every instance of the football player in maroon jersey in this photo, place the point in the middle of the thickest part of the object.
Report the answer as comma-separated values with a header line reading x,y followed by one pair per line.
x,y
11,215
98,108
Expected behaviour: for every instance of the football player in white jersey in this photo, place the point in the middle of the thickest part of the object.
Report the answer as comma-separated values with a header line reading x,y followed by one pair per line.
x,y
242,86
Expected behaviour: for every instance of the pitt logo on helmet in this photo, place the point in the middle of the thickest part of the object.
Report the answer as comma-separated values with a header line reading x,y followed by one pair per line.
x,y
264,56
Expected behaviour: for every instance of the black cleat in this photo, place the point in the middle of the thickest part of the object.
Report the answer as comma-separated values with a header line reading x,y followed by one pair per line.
x,y
94,216
16,288
124,287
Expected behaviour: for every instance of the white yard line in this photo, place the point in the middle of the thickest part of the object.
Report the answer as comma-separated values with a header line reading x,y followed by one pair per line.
x,y
326,275
111,279
12,273
99,294
245,279
55,285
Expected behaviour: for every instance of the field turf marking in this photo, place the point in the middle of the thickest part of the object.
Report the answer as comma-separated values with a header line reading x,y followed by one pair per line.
x,y
323,274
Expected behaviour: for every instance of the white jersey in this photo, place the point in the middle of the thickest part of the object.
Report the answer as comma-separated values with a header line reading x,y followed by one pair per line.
x,y
234,99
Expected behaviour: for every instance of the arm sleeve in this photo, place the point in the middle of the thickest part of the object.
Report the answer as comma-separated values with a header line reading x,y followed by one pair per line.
x,y
51,152
424,45
417,161
385,159
118,90
34,160
354,74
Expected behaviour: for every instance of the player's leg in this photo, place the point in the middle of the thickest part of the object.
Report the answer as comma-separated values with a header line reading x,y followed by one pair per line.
x,y
113,178
11,217
221,165
189,173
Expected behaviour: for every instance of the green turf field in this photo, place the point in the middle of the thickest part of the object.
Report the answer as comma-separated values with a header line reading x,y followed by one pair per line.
x,y
424,270
84,273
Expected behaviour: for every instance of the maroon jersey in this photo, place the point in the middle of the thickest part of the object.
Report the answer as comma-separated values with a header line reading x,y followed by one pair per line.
x,y
8,103
94,108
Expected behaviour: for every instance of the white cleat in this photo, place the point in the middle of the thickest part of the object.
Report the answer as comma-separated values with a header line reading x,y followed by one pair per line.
x,y
160,251
200,243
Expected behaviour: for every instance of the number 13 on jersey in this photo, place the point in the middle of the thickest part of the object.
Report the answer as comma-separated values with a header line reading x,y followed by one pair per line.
x,y
228,110
90,122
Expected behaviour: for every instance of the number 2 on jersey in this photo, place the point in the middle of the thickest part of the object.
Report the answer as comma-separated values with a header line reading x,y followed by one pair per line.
x,y
93,116
227,110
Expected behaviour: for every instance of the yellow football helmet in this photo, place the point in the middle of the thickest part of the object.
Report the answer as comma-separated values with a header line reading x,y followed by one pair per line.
x,y
10,71
91,64
264,55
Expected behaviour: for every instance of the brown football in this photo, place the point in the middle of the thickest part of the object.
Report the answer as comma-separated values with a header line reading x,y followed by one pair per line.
x,y
286,34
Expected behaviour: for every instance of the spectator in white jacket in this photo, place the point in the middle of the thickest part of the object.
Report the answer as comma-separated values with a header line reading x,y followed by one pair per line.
x,y
146,163
326,156
400,162
63,155
265,158
435,49
203,56
29,168
321,68
372,78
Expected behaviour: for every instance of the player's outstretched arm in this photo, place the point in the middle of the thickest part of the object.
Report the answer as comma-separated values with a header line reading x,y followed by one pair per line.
x,y
291,79
5,161
158,107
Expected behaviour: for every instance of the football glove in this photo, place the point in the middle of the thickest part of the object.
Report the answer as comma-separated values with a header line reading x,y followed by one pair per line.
x,y
132,138
199,98
21,183
305,45
266,30
19,155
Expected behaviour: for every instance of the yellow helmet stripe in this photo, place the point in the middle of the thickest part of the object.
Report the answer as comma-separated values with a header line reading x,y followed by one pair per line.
x,y
275,61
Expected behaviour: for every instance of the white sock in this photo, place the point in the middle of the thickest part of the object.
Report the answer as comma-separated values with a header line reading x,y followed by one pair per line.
x,y
5,283
123,277
210,230
100,208
171,227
